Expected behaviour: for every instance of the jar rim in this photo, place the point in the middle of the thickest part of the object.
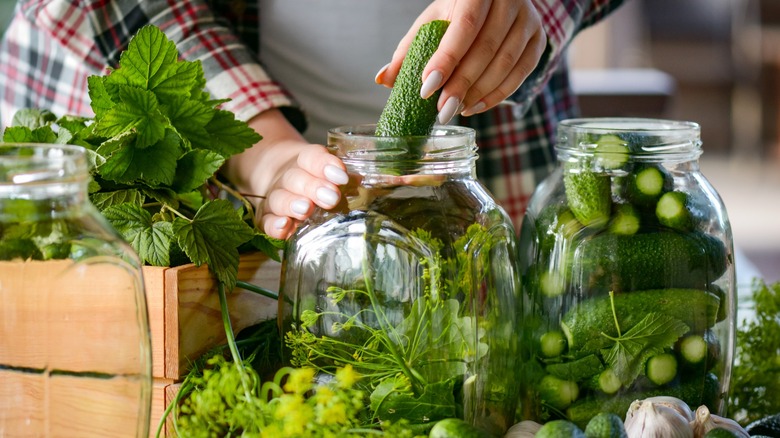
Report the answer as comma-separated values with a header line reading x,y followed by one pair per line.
x,y
648,137
359,143
41,163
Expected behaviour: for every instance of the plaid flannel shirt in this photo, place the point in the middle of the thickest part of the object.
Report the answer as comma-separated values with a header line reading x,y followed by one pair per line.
x,y
52,46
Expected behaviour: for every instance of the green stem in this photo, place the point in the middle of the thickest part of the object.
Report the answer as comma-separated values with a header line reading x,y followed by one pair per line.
x,y
257,289
234,193
231,340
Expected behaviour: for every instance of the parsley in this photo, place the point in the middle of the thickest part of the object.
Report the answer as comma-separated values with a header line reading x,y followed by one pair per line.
x,y
156,143
650,336
755,380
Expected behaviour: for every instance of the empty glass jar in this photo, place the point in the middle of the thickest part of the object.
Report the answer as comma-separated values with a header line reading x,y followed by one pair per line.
x,y
626,253
411,280
75,355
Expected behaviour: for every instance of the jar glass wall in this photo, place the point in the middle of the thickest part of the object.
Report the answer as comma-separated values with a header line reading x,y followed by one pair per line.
x,y
411,280
75,354
626,252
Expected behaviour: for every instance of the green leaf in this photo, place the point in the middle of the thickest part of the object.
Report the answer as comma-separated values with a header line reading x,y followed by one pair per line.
x,y
124,196
189,118
650,336
100,101
150,239
229,136
24,249
74,124
393,400
268,245
151,62
194,168
213,237
33,118
163,195
138,111
18,134
154,165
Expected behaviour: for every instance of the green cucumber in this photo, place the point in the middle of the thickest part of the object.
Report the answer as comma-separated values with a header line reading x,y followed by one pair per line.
x,y
693,349
661,368
578,369
646,184
589,195
694,392
552,344
456,428
559,429
609,382
611,152
625,220
652,260
672,211
605,425
557,393
586,324
406,113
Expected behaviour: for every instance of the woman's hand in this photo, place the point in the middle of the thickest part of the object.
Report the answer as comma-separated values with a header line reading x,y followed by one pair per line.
x,y
291,174
489,49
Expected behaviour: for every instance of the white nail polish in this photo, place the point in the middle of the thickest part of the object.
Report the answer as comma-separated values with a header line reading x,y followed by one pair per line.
x,y
300,206
430,85
479,106
380,73
448,110
336,175
327,196
281,223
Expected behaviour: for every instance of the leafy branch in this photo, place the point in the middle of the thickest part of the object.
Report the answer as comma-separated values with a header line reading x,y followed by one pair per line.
x,y
155,143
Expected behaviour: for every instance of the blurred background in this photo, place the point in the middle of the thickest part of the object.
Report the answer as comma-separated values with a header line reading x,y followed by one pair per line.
x,y
714,62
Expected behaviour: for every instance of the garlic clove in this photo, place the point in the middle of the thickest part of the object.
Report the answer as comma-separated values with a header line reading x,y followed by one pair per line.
x,y
651,420
523,429
704,421
675,403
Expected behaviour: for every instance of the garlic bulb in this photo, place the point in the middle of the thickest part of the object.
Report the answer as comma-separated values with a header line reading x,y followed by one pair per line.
x,y
651,420
705,421
673,402
523,429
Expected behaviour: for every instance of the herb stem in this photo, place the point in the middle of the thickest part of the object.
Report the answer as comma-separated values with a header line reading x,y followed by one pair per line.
x,y
234,193
231,340
257,289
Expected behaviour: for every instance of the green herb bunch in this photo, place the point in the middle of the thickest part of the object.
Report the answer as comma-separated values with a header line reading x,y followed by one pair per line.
x,y
156,143
755,381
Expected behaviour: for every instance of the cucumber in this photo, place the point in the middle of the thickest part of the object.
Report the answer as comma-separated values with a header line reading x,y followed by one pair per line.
x,y
605,425
406,113
625,220
646,184
578,369
694,392
589,195
693,349
559,429
661,368
557,393
586,324
456,428
652,260
672,211
552,344
611,152
609,382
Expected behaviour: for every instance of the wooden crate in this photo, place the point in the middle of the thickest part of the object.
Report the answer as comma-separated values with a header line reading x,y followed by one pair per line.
x,y
186,320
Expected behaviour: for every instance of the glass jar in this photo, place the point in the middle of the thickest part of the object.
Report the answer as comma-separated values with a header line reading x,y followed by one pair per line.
x,y
626,253
411,280
75,354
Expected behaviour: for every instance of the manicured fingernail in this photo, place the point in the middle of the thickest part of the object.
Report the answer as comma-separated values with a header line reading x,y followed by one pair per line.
x,y
430,84
448,110
300,206
327,196
479,106
336,175
381,73
281,223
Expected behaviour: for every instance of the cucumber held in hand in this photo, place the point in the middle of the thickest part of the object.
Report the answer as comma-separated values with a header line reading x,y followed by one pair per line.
x,y
406,113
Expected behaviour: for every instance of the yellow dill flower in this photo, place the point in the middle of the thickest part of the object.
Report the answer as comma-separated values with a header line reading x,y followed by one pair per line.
x,y
299,381
332,413
346,377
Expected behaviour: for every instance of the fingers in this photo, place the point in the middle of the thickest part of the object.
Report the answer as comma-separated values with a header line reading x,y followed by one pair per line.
x,y
312,180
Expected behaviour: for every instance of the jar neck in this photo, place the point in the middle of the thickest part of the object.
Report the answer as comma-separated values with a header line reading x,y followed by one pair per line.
x,y
645,140
42,182
450,151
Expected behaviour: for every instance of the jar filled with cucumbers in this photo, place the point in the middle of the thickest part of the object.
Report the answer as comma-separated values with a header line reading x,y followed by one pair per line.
x,y
628,274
